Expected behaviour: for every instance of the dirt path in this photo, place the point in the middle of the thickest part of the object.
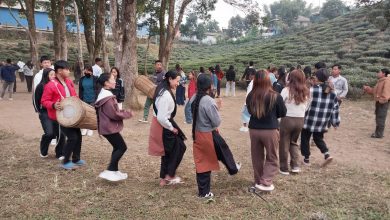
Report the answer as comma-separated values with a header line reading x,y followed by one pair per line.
x,y
350,144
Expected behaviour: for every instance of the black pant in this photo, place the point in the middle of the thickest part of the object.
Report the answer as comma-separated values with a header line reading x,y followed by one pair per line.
x,y
174,148
51,131
318,138
73,144
14,90
21,76
203,180
119,145
380,118
29,80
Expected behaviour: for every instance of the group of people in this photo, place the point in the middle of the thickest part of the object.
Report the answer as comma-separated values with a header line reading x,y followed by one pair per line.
x,y
8,76
279,108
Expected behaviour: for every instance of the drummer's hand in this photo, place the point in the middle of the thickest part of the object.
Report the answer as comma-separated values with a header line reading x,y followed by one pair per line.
x,y
58,106
175,131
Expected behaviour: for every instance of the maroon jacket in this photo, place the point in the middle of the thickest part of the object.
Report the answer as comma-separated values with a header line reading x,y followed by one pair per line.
x,y
110,118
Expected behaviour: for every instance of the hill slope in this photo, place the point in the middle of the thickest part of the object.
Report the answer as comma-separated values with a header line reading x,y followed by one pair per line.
x,y
349,40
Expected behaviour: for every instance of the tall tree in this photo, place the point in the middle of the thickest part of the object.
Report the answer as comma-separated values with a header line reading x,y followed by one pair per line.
x,y
63,40
28,8
288,10
333,8
124,30
79,43
99,27
213,26
87,15
236,27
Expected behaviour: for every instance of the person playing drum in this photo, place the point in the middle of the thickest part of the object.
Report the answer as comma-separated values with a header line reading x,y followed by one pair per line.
x,y
56,90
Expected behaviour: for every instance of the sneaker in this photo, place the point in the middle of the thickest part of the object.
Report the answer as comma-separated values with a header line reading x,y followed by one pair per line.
x,y
265,188
238,165
83,132
174,181
53,142
375,136
328,160
208,195
284,172
90,133
123,175
61,158
296,170
306,162
244,129
143,120
80,163
43,156
68,166
110,176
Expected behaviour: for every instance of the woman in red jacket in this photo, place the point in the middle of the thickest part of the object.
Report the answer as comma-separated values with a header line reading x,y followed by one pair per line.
x,y
54,91
220,76
191,92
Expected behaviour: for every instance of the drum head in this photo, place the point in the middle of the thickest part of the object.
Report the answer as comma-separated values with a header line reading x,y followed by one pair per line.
x,y
71,113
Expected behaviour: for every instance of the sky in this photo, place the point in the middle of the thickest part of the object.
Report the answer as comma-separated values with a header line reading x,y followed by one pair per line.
x,y
223,12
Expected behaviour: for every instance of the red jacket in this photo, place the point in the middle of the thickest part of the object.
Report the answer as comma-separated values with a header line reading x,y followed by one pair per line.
x,y
54,92
191,88
220,75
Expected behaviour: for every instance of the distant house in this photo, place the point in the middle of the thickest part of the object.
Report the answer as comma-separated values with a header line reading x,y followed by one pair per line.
x,y
42,19
302,21
210,38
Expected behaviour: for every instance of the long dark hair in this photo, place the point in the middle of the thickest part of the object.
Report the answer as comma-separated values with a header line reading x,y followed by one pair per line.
x,y
262,96
282,75
322,76
45,76
203,85
165,85
117,70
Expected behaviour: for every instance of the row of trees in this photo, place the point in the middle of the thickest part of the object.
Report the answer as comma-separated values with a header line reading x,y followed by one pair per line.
x,y
163,17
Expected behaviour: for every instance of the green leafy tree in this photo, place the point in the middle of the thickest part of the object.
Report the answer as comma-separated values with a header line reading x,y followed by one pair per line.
x,y
289,10
333,8
236,27
213,26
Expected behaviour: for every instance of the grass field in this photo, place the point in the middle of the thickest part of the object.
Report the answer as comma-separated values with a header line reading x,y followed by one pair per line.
x,y
355,186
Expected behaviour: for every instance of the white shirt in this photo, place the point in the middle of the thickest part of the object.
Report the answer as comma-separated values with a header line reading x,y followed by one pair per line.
x,y
21,65
97,71
340,86
37,79
293,110
165,106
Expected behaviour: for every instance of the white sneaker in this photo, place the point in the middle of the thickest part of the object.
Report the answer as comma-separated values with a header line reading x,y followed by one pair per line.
x,y
53,142
43,156
265,188
10,99
110,176
284,173
90,133
244,129
208,195
143,120
238,165
296,170
123,175
61,158
84,132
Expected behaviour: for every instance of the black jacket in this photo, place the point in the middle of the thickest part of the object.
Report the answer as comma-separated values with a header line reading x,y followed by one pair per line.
x,y
119,90
248,72
37,98
231,75
96,87
270,120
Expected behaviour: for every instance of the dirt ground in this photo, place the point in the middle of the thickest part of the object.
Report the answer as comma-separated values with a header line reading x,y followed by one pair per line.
x,y
356,185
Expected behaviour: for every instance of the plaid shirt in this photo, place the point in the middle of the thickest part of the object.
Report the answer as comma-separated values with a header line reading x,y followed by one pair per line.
x,y
322,112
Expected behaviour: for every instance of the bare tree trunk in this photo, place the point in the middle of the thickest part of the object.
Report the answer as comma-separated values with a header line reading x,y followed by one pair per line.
x,y
172,30
146,55
87,16
162,28
106,51
62,27
79,43
56,30
128,39
99,27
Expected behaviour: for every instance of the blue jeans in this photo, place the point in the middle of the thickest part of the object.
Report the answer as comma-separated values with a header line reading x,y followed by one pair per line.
x,y
188,113
180,95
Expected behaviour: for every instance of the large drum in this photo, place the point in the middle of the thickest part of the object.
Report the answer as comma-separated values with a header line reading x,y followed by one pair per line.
x,y
146,86
77,114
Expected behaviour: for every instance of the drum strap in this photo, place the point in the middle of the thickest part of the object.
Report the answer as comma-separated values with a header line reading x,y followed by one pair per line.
x,y
59,92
